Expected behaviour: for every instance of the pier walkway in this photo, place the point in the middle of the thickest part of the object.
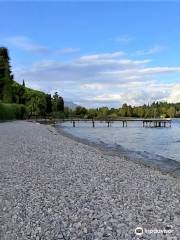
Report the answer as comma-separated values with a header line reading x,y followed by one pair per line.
x,y
152,122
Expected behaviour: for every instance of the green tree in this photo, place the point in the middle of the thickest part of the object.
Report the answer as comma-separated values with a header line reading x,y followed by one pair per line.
x,y
36,102
18,93
103,112
48,104
171,111
6,77
80,111
92,113
57,103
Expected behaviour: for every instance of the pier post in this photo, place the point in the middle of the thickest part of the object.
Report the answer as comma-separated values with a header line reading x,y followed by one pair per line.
x,y
93,124
124,123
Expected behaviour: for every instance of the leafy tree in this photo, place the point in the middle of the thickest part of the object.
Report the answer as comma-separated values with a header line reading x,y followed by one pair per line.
x,y
38,103
57,103
48,104
80,111
171,111
6,77
18,93
92,113
103,112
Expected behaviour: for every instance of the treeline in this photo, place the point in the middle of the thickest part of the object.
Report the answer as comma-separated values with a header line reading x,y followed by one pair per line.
x,y
36,103
154,110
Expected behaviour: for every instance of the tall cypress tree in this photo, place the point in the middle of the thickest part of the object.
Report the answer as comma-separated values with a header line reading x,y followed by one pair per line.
x,y
6,78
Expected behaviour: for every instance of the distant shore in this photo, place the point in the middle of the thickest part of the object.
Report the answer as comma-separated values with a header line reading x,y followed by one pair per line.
x,y
54,187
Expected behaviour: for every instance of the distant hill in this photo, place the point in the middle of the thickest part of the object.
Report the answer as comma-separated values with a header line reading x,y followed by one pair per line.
x,y
70,105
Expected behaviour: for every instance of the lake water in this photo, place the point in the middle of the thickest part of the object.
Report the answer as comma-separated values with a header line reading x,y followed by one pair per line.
x,y
153,144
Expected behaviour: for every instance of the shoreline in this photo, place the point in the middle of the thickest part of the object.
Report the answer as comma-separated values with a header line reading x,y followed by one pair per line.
x,y
54,187
165,165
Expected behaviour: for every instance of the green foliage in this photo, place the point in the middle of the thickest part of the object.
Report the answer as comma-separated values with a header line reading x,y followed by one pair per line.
x,y
171,111
91,113
57,103
155,110
58,115
12,111
103,112
48,104
80,111
5,76
36,102
18,93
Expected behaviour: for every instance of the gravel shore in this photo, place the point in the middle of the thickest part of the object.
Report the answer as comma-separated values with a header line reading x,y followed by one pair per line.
x,y
53,188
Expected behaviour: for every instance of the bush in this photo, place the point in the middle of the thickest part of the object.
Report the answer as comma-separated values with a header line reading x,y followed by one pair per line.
x,y
58,115
12,111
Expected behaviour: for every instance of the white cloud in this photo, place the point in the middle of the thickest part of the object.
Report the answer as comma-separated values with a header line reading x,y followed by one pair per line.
x,y
124,39
107,97
92,86
134,95
103,56
153,50
67,50
134,73
174,95
103,79
28,45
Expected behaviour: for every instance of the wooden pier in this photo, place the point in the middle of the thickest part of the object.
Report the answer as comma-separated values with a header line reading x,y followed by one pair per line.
x,y
157,123
151,123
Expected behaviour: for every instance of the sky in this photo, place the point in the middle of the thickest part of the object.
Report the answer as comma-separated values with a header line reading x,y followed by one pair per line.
x,y
95,53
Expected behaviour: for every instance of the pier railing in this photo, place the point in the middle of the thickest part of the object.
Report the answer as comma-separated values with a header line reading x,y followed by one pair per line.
x,y
146,122
151,122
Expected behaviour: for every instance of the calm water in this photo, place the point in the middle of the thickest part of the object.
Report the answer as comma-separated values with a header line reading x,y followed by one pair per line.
x,y
153,143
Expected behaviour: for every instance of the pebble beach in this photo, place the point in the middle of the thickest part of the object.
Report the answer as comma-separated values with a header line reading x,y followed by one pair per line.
x,y
53,188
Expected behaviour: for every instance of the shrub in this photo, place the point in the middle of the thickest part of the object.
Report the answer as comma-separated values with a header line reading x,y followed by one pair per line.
x,y
58,115
12,111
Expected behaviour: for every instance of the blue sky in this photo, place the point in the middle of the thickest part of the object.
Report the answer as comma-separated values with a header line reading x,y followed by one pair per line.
x,y
96,53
